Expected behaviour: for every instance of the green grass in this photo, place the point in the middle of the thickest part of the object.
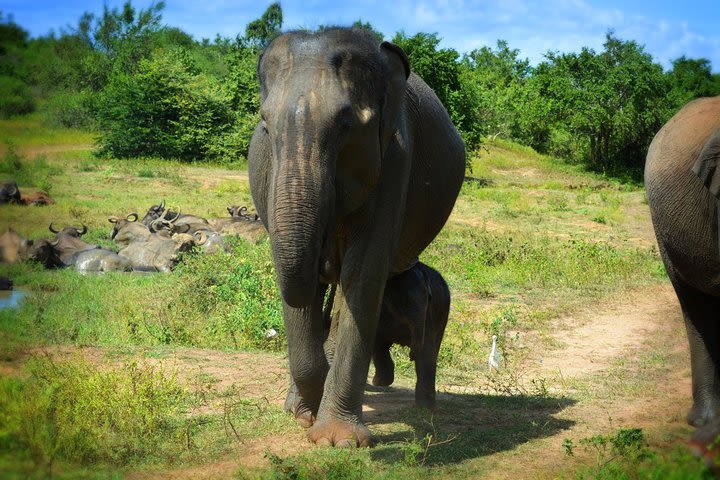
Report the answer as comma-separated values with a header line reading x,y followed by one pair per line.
x,y
30,131
74,412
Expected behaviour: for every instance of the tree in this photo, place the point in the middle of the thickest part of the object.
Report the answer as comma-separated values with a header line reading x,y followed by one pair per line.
x,y
367,26
692,78
260,32
611,103
497,77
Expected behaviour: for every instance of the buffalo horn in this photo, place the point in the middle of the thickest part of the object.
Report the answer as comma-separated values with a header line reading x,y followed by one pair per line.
x,y
201,237
134,217
174,219
52,229
83,231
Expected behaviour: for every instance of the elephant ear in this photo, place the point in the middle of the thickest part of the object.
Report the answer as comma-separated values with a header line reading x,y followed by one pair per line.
x,y
397,73
706,167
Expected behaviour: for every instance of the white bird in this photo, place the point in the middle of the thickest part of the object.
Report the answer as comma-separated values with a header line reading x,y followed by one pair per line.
x,y
494,358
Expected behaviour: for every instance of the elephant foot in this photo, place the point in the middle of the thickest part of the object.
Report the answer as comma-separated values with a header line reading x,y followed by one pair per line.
x,y
705,444
702,414
425,401
339,433
302,412
381,379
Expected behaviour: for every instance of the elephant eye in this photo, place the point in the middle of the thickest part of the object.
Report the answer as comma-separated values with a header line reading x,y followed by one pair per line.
x,y
263,124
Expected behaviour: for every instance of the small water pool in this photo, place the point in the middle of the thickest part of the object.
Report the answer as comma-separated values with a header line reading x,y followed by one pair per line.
x,y
11,298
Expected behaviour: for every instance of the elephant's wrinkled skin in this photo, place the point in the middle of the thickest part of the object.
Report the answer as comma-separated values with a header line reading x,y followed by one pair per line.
x,y
354,169
685,216
414,314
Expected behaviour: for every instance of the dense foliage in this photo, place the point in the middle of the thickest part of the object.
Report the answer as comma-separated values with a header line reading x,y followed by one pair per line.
x,y
152,90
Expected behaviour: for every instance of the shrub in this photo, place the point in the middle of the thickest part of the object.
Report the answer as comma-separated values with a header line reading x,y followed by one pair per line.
x,y
72,410
167,109
71,109
15,97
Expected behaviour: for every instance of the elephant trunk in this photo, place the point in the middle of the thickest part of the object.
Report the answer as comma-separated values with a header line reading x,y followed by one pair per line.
x,y
297,229
300,204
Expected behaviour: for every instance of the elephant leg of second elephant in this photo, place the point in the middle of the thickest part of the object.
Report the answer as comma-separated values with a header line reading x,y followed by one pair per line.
x,y
308,364
702,323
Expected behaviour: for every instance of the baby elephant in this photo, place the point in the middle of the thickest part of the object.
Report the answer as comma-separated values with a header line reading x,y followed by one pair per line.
x,y
414,313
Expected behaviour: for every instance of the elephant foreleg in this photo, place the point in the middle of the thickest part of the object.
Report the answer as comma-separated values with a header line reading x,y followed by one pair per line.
x,y
308,365
339,419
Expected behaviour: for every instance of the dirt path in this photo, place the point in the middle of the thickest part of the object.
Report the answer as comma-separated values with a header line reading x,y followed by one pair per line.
x,y
596,337
627,364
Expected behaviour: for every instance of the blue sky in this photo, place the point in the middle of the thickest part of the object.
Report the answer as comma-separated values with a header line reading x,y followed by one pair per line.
x,y
667,29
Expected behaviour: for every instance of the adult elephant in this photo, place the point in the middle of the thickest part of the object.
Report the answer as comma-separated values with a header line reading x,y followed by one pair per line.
x,y
683,185
354,169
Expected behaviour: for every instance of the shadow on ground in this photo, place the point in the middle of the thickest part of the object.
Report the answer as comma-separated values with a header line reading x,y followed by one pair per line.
x,y
465,425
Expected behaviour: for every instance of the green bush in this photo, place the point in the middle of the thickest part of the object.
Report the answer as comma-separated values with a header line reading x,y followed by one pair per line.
x,y
15,97
71,109
167,109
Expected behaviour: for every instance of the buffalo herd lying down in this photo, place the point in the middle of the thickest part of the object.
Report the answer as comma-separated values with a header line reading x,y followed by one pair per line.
x,y
150,244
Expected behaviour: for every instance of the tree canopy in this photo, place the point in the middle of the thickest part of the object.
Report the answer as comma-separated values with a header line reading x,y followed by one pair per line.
x,y
152,89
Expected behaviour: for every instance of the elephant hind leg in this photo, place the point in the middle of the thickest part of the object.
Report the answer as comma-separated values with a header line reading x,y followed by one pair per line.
x,y
702,322
384,366
426,363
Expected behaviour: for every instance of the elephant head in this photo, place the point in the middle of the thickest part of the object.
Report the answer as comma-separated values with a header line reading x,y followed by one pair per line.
x,y
330,107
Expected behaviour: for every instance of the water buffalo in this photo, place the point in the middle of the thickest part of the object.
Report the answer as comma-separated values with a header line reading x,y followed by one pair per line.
x,y
156,212
9,192
37,199
44,252
236,211
157,253
67,241
237,214
210,241
250,230
99,260
48,254
127,230
241,223
13,247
